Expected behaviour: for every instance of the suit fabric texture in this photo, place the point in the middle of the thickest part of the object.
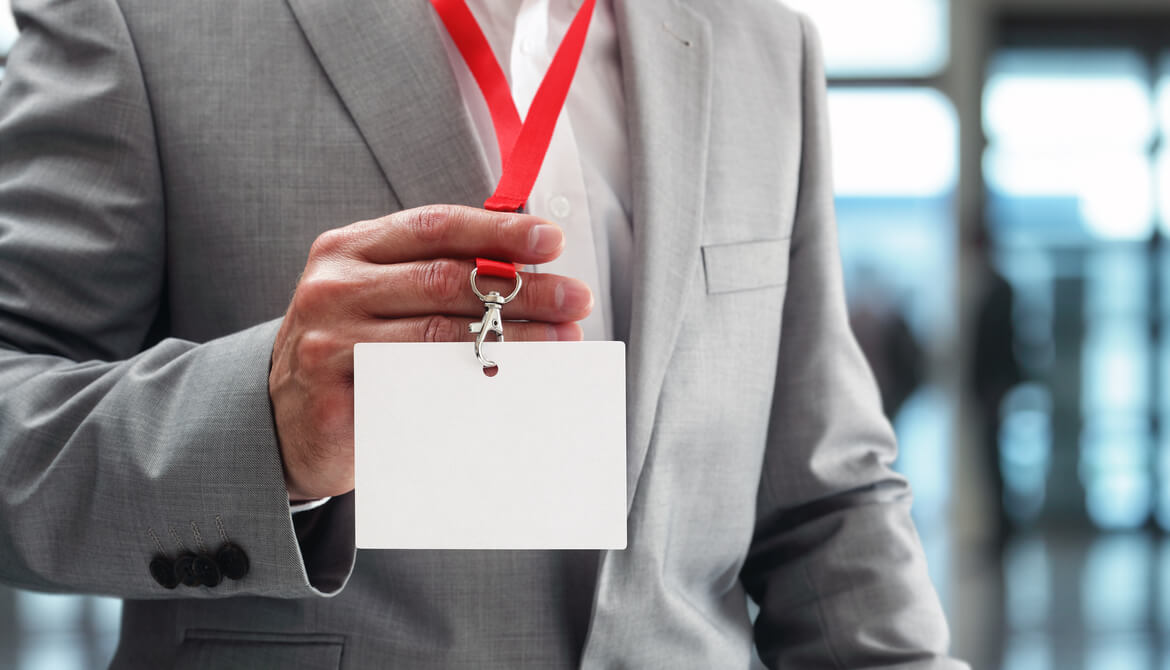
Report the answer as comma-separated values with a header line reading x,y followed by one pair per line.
x,y
164,169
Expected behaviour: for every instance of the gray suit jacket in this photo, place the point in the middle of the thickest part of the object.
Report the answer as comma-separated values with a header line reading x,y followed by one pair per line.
x,y
164,168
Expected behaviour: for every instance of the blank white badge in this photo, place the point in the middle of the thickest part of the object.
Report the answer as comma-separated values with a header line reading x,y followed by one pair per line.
x,y
449,458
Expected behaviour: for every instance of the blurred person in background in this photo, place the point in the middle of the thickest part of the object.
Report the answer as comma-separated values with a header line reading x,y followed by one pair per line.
x,y
994,369
890,347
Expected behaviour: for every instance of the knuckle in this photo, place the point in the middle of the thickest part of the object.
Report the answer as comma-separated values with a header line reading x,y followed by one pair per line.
x,y
314,349
504,230
537,294
439,281
307,297
430,223
320,291
539,298
328,243
439,329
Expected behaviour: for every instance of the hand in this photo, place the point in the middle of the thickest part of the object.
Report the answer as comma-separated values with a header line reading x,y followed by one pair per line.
x,y
401,278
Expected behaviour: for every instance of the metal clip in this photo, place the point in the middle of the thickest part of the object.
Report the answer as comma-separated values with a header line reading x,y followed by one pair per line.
x,y
492,321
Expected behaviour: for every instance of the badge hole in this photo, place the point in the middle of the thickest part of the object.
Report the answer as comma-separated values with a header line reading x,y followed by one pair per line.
x,y
492,371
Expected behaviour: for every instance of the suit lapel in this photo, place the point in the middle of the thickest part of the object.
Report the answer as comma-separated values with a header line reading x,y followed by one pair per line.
x,y
386,60
666,66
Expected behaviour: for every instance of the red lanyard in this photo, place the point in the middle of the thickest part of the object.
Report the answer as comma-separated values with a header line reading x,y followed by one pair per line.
x,y
522,145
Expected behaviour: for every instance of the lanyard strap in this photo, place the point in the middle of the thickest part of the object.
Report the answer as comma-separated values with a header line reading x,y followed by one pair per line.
x,y
523,146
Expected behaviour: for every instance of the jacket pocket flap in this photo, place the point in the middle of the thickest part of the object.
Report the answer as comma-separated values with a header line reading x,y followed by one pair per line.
x,y
745,265
240,649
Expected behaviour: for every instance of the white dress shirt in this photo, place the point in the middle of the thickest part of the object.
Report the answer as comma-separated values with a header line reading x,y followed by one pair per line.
x,y
584,184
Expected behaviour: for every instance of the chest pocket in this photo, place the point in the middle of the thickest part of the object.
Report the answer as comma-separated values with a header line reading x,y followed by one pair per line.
x,y
743,266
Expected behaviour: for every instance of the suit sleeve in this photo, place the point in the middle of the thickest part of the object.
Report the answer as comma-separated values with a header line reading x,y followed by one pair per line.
x,y
116,446
835,563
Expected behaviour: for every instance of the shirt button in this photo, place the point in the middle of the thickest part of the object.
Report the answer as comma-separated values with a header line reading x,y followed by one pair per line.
x,y
560,207
529,47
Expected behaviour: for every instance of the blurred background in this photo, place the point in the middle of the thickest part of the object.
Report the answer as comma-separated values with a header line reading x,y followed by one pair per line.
x,y
1003,178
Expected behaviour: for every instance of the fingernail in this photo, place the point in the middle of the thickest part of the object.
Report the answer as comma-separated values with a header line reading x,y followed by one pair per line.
x,y
572,296
544,239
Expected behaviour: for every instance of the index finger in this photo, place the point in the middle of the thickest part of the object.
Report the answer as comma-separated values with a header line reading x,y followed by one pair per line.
x,y
453,231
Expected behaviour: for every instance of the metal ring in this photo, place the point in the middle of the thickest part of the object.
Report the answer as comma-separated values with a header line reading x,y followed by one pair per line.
x,y
519,283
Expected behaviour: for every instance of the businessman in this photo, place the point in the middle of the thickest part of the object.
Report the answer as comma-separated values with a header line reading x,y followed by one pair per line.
x,y
175,430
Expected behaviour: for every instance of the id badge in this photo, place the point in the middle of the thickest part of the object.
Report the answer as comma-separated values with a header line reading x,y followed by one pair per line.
x,y
533,457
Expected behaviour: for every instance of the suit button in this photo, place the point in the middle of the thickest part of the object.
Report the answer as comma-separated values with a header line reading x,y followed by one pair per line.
x,y
163,571
232,561
206,571
184,571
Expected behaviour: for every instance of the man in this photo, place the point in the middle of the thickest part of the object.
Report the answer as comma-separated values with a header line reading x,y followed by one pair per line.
x,y
167,171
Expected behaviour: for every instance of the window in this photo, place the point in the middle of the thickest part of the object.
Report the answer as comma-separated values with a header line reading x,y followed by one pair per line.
x,y
1078,182
7,32
889,39
1069,134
